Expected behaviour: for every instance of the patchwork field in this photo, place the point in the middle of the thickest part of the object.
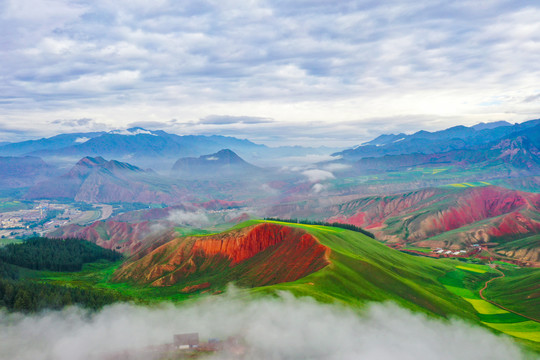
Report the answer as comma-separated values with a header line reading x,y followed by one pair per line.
x,y
470,184
460,282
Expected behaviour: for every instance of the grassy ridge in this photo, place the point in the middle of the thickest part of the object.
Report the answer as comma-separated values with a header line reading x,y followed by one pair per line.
x,y
363,270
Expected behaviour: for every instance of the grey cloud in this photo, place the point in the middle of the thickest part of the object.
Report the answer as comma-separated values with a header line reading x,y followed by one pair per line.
x,y
531,98
72,122
228,120
154,124
93,55
76,125
10,129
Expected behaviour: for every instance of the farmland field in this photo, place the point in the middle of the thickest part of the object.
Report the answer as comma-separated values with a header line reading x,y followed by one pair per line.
x,y
496,318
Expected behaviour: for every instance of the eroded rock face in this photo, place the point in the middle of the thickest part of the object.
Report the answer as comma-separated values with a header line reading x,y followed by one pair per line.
x,y
532,255
120,236
371,212
427,217
258,255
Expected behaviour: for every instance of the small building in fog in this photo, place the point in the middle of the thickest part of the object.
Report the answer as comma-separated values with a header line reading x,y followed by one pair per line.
x,y
186,341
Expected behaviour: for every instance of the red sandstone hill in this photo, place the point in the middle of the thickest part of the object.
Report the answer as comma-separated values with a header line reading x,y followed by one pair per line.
x,y
257,255
120,236
448,217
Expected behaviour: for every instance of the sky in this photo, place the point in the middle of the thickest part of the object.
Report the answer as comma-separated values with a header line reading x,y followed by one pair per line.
x,y
276,72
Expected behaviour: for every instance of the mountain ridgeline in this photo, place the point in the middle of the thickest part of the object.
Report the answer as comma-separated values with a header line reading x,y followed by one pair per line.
x,y
454,138
94,179
223,164
507,149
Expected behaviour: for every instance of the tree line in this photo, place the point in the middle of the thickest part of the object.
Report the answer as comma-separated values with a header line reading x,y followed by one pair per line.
x,y
26,295
55,254
323,223
30,296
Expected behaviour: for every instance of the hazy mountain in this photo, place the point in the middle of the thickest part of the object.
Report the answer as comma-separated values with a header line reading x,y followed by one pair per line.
x,y
491,125
517,153
222,164
156,149
138,142
425,142
53,143
98,180
23,171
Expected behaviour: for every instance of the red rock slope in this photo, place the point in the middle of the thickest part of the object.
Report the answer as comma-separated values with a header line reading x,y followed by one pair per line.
x,y
120,236
257,255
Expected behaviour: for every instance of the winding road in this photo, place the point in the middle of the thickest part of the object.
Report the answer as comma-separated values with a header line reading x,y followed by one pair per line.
x,y
497,305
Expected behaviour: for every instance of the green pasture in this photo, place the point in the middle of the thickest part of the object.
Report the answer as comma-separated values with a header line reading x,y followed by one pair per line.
x,y
416,248
13,205
4,242
460,283
362,270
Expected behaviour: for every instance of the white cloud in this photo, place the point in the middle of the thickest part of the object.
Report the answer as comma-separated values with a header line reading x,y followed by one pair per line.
x,y
316,175
81,140
189,218
337,167
283,328
318,188
132,132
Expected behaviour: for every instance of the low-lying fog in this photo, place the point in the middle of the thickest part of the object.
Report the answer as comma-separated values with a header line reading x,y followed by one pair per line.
x,y
272,328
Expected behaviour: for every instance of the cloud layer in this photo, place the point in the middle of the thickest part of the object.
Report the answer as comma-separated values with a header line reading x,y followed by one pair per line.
x,y
278,329
269,70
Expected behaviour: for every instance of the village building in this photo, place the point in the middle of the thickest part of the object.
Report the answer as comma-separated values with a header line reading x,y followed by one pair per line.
x,y
186,341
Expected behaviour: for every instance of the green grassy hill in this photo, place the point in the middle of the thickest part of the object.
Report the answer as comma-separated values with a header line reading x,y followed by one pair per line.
x,y
358,270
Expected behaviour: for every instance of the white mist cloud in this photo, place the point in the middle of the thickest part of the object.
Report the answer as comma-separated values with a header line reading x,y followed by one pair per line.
x,y
337,167
306,159
318,188
181,217
81,140
316,175
273,328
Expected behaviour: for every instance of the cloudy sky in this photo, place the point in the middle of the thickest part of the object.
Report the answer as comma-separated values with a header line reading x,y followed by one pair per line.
x,y
306,71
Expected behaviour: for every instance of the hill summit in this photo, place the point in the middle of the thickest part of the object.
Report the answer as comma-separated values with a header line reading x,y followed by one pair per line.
x,y
224,163
94,179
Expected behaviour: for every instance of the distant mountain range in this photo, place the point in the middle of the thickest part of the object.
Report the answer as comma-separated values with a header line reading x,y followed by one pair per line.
x,y
512,149
454,138
133,142
146,148
94,180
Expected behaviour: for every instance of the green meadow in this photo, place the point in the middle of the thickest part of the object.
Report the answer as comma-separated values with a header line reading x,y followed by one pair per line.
x,y
464,282
362,270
